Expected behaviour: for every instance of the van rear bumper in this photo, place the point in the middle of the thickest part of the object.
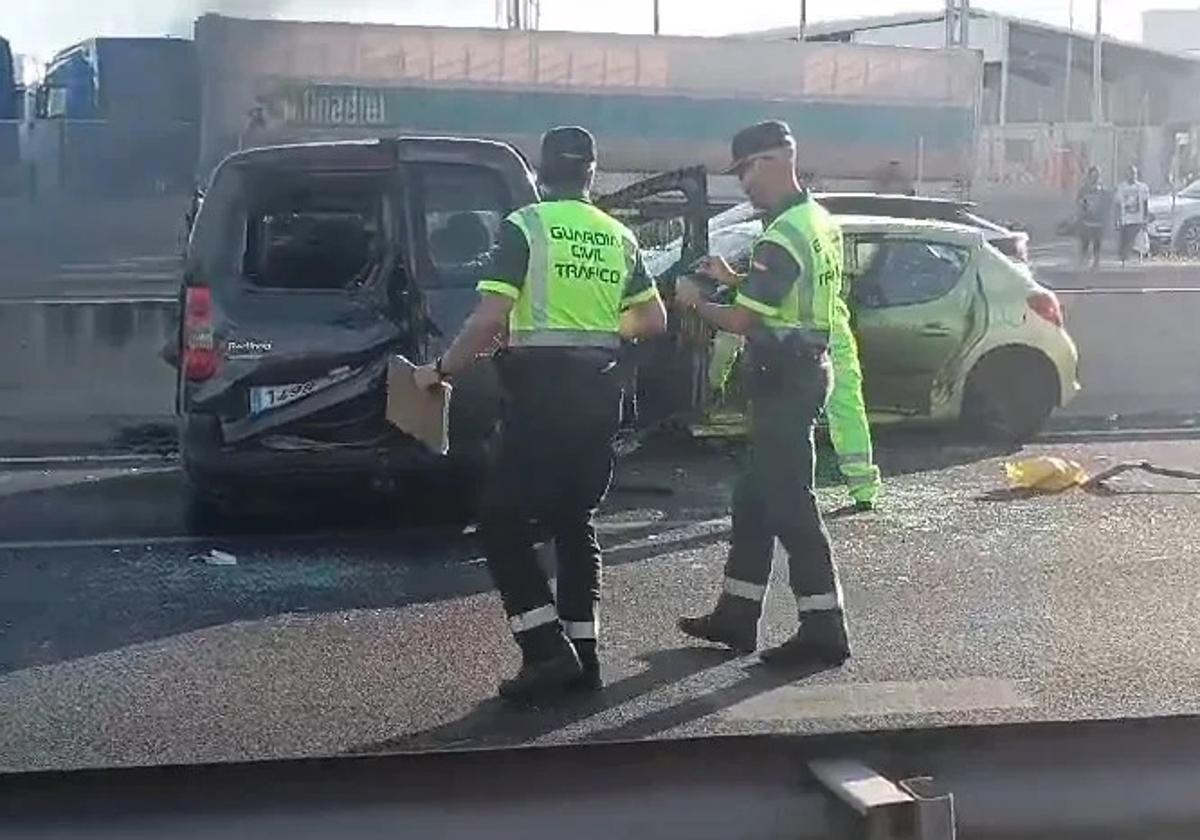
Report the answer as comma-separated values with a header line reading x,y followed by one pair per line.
x,y
210,463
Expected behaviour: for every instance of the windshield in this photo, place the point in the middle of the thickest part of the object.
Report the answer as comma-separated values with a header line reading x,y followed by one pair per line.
x,y
340,417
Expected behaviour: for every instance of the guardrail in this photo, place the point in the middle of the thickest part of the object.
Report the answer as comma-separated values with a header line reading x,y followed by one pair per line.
x,y
1136,779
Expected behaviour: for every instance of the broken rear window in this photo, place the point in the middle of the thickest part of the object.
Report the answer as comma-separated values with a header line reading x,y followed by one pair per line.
x,y
313,231
462,208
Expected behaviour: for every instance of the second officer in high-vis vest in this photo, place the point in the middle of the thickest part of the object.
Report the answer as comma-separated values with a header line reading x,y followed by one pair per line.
x,y
785,307
568,282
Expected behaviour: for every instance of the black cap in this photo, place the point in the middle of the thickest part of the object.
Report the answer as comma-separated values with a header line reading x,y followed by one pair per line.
x,y
568,144
758,138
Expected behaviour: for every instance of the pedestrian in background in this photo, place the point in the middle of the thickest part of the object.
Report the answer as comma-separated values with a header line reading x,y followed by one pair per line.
x,y
1092,203
1133,211
785,306
569,283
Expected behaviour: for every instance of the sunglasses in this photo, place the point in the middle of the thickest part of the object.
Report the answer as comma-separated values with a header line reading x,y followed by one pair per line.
x,y
747,162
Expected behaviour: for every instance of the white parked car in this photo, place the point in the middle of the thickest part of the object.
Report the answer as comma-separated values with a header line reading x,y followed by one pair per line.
x,y
1175,221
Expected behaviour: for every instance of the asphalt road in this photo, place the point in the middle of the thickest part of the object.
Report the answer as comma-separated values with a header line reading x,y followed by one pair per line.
x,y
347,628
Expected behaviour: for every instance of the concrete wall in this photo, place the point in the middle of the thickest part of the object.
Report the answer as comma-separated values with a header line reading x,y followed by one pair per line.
x,y
655,103
1137,350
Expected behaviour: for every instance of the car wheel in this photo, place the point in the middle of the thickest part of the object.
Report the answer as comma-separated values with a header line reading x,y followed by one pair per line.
x,y
1187,243
1009,396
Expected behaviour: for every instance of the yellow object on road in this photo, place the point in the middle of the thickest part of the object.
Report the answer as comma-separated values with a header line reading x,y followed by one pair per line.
x,y
1045,473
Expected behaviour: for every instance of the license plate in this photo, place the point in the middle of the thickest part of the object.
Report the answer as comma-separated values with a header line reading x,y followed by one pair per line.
x,y
267,397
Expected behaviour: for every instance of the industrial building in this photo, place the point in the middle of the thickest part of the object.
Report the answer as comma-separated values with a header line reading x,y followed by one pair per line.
x,y
1172,30
1039,106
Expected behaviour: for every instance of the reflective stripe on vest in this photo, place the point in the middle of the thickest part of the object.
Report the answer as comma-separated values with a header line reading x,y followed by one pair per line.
x,y
580,262
813,239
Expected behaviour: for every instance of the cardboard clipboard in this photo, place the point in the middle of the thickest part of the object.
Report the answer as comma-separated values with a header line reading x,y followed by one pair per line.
x,y
423,413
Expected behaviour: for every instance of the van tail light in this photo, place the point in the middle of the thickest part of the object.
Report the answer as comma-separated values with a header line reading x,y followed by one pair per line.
x,y
1045,303
199,350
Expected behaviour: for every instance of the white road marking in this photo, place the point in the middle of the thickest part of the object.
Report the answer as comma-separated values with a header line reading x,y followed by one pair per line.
x,y
29,461
838,700
684,528
86,301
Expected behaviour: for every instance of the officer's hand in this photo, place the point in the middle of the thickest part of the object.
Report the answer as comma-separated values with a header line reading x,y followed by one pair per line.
x,y
687,293
718,270
426,376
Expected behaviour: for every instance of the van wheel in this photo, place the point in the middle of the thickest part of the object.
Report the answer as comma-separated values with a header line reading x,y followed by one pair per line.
x,y
206,510
1009,396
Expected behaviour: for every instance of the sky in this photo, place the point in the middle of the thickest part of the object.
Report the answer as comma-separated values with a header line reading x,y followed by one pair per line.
x,y
40,27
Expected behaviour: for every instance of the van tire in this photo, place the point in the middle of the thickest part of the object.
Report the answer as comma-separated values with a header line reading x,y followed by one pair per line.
x,y
1009,396
206,510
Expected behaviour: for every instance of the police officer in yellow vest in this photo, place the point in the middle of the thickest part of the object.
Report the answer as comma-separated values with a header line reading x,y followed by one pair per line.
x,y
568,282
785,307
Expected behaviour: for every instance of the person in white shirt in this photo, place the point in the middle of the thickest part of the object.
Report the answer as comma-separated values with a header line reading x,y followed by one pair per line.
x,y
1133,211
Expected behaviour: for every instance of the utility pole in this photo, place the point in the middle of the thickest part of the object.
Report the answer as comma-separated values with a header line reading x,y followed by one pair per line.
x,y
1098,69
802,32
1070,63
958,23
657,19
518,14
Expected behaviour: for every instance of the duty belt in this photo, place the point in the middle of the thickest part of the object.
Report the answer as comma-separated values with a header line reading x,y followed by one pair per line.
x,y
818,339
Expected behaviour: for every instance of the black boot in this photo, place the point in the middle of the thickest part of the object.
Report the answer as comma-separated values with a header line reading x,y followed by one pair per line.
x,y
733,623
549,666
589,679
821,640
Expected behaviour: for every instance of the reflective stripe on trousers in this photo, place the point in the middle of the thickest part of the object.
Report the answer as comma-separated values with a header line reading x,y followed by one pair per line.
x,y
821,602
534,618
742,589
582,630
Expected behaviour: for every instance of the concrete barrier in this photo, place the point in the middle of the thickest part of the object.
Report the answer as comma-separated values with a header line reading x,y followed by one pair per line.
x,y
79,374
1139,351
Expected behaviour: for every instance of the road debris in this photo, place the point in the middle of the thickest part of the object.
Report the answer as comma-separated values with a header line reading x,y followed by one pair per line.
x,y
1048,474
1145,466
215,557
1045,473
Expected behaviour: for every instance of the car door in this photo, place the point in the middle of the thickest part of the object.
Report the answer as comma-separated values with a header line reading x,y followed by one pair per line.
x,y
912,302
669,214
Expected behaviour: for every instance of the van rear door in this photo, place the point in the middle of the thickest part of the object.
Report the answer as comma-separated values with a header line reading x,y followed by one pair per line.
x,y
303,266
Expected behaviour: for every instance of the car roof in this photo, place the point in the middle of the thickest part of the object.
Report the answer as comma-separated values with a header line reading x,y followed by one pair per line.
x,y
949,231
377,153
895,198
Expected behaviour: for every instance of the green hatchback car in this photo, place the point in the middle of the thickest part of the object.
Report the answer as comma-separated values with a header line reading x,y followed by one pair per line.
x,y
949,328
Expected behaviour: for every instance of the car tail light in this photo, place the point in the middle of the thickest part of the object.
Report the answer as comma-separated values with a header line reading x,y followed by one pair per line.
x,y
1045,303
199,350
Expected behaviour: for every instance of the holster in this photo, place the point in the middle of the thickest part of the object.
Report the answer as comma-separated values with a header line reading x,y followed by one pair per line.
x,y
774,363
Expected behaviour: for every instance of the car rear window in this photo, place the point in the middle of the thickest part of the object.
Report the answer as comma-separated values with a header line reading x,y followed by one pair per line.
x,y
312,231
904,272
